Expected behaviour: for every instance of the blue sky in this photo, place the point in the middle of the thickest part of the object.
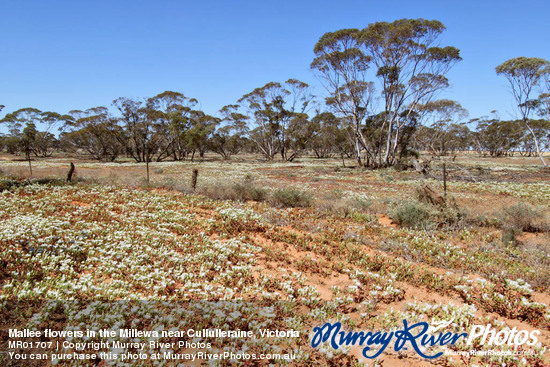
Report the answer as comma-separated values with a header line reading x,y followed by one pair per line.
x,y
64,55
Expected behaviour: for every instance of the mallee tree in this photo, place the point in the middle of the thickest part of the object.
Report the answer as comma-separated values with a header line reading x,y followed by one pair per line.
x,y
524,75
410,67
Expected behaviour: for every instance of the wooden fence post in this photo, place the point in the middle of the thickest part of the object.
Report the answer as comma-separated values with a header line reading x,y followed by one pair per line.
x,y
70,174
194,178
444,182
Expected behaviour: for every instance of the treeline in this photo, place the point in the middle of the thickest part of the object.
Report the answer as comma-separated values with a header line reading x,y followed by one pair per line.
x,y
380,108
491,137
167,127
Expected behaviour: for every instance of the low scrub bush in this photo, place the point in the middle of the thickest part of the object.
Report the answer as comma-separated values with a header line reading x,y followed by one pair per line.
x,y
345,206
7,184
520,217
524,217
412,214
218,192
241,191
452,216
484,221
509,236
291,197
416,214
246,190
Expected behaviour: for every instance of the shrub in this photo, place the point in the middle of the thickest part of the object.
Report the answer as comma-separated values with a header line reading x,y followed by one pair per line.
x,y
241,191
509,235
523,217
484,221
347,207
444,211
412,214
218,192
291,197
7,184
359,203
452,216
236,220
246,190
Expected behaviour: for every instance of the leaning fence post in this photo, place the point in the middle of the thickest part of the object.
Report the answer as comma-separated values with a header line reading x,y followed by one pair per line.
x,y
70,174
444,182
194,178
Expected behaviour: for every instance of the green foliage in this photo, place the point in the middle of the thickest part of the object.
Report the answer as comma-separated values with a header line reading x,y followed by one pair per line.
x,y
523,217
230,138
330,135
428,212
524,75
412,214
526,68
409,67
291,197
498,137
278,112
509,236
241,191
246,190
8,184
96,132
357,207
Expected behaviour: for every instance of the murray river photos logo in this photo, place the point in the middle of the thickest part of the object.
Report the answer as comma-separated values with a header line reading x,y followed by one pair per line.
x,y
419,336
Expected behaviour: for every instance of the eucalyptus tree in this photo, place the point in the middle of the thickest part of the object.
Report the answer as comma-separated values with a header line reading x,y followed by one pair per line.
x,y
155,128
442,132
271,109
16,120
22,126
330,136
543,102
375,129
200,130
443,139
137,133
31,131
45,142
342,66
497,137
170,114
141,137
28,141
299,132
524,75
541,130
410,67
229,137
96,132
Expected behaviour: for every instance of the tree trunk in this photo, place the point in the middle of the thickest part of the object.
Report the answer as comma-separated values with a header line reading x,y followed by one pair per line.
x,y
358,150
536,144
